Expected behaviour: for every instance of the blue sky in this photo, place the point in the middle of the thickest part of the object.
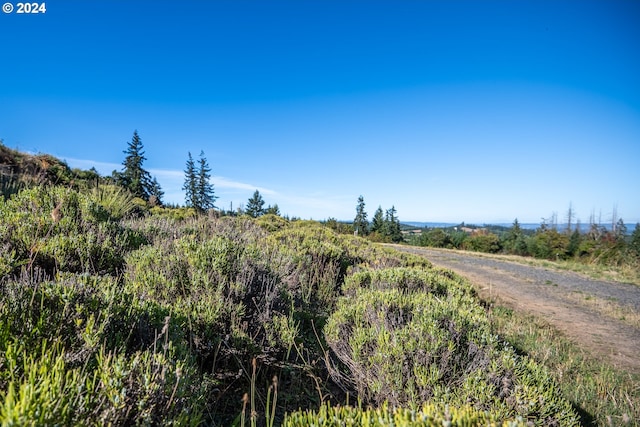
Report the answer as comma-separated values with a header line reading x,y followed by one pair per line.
x,y
478,111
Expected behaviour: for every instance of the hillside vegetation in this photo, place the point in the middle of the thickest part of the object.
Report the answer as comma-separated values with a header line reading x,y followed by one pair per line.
x,y
147,320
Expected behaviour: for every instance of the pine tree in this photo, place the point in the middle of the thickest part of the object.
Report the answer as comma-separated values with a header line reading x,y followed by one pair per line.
x,y
377,224
392,226
275,210
360,223
191,197
255,205
206,195
134,177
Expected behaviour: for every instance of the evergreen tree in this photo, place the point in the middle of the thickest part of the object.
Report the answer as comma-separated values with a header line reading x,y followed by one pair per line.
x,y
275,210
574,242
620,230
206,195
360,223
134,177
513,237
191,197
197,186
392,226
377,224
255,205
634,244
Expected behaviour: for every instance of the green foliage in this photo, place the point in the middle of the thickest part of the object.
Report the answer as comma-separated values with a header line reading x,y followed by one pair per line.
x,y
71,354
84,238
634,244
133,176
190,187
255,205
378,221
489,243
549,244
339,227
206,195
408,338
436,238
426,416
118,202
391,226
360,223
514,240
155,320
272,222
199,193
272,210
9,186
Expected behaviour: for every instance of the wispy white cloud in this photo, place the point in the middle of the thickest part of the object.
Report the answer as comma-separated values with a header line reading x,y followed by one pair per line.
x,y
169,178
103,168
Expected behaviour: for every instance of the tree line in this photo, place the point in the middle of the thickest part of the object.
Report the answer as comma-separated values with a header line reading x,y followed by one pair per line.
x,y
384,226
594,244
199,190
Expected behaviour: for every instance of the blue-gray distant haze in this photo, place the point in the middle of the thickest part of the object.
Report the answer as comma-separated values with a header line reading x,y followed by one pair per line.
x,y
525,226
451,111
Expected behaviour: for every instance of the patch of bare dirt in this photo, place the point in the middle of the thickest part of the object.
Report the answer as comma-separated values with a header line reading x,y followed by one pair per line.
x,y
551,295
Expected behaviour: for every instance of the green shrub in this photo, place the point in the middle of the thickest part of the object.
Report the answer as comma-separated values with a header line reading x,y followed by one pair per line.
x,y
426,416
146,388
489,243
83,239
116,201
271,222
414,342
549,244
435,280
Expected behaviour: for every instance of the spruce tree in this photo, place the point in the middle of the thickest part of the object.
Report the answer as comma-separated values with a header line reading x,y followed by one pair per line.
x,y
206,196
275,210
134,177
377,224
255,205
392,226
360,223
190,186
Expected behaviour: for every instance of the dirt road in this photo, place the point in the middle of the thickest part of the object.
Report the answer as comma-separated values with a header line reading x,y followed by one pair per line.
x,y
556,297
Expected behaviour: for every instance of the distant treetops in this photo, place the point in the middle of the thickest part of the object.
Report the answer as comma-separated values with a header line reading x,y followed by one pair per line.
x,y
198,188
384,226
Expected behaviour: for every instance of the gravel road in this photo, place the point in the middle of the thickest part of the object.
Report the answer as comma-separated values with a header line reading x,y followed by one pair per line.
x,y
554,296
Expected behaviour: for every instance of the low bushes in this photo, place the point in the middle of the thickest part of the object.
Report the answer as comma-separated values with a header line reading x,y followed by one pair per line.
x,y
159,320
408,337
426,416
84,238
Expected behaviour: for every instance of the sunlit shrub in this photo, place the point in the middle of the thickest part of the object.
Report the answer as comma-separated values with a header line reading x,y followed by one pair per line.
x,y
425,416
415,342
80,237
489,243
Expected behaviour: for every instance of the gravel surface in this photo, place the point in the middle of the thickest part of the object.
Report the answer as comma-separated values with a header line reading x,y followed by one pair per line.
x,y
554,296
623,293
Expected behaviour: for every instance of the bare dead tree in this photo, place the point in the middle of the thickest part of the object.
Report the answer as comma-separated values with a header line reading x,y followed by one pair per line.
x,y
570,215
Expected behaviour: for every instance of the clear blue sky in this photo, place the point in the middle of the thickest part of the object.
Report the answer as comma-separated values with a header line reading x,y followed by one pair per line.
x,y
479,111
